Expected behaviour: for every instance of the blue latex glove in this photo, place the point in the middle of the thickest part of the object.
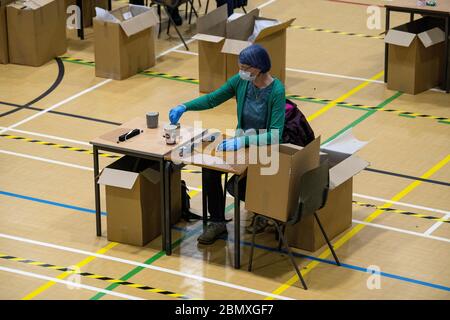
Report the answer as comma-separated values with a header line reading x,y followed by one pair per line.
x,y
176,113
230,145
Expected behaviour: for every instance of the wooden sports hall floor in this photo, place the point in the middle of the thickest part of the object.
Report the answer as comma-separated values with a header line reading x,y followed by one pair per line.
x,y
47,197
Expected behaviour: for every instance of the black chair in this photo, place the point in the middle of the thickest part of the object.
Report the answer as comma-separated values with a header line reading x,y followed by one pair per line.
x,y
172,4
314,185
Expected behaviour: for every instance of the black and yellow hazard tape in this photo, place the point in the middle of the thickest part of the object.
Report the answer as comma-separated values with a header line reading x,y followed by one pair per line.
x,y
342,104
343,33
79,61
69,148
95,276
408,213
56,145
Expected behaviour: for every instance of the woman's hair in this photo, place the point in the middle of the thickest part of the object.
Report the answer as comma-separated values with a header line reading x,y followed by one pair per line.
x,y
256,56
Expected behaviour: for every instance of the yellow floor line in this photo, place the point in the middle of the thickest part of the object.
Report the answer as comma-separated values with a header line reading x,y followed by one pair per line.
x,y
350,234
63,275
344,97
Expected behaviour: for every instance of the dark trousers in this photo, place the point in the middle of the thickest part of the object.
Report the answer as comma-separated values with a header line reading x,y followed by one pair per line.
x,y
214,192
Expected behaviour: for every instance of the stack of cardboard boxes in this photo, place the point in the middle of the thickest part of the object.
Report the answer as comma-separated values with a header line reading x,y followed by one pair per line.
x,y
220,40
32,32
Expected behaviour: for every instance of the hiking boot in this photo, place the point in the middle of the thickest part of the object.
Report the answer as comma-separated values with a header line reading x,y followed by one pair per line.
x,y
259,227
213,231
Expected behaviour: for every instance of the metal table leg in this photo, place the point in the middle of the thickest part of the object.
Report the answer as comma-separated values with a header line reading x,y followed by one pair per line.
x,y
237,225
386,46
446,84
109,5
204,202
80,31
162,197
167,208
98,217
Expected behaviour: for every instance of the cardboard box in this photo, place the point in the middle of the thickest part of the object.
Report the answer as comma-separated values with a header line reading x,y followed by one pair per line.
x,y
220,41
336,215
88,9
36,31
133,200
276,195
4,55
416,56
125,44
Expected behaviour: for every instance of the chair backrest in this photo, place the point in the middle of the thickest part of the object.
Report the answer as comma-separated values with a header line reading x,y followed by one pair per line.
x,y
314,185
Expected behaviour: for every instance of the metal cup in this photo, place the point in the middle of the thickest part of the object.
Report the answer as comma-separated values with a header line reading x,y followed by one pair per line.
x,y
152,120
170,133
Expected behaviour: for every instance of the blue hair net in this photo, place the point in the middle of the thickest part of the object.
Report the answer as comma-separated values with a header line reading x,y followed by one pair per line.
x,y
256,56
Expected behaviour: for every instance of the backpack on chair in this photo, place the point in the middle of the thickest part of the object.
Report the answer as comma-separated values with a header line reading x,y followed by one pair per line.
x,y
296,127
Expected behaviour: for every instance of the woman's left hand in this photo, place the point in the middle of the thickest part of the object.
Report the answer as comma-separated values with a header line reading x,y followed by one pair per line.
x,y
230,145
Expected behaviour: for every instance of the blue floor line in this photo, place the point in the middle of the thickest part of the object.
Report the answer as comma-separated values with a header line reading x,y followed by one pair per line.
x,y
344,265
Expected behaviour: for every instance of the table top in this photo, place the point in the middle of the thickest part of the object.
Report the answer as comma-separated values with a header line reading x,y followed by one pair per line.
x,y
149,143
443,6
206,156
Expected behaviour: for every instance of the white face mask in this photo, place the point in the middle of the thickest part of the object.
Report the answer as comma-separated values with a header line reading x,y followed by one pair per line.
x,y
246,75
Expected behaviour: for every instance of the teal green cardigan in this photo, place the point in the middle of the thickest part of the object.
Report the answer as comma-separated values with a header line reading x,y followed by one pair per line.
x,y
236,87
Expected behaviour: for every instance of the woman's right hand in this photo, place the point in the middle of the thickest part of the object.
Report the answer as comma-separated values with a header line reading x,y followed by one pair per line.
x,y
176,113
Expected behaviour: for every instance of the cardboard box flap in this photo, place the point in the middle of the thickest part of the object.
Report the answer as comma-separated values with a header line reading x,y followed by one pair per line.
x,y
345,170
207,38
214,23
242,27
30,4
273,29
104,15
140,22
431,37
151,175
118,178
399,38
235,46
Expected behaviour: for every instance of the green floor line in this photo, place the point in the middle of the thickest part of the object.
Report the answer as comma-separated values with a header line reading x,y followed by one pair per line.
x,y
154,258
364,117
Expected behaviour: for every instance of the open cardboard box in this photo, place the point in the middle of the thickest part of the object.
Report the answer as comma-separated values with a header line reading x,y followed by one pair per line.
x,y
133,193
36,31
124,41
416,56
221,40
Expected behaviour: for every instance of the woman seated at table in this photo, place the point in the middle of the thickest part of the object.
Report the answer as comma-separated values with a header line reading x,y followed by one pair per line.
x,y
261,104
